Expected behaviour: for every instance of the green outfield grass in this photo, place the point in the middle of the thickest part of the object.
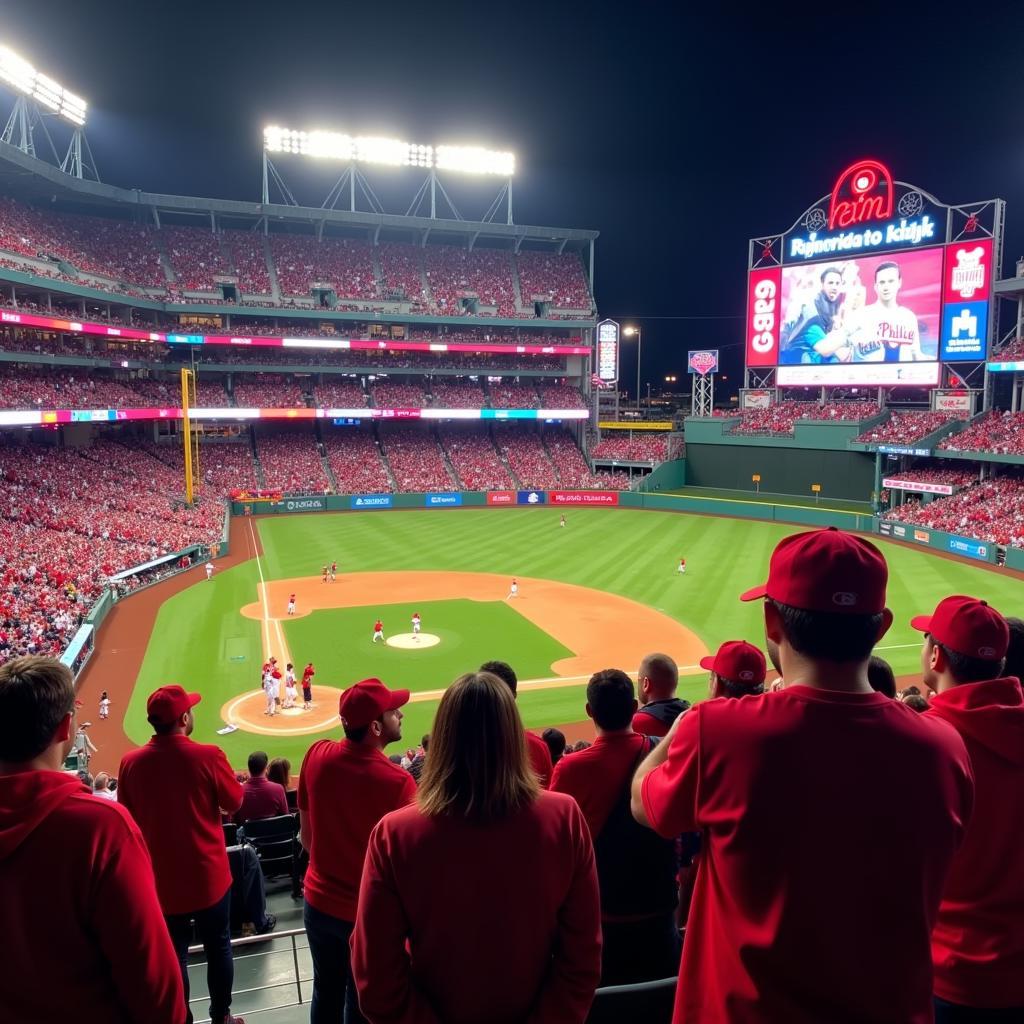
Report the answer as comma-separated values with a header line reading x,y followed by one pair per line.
x,y
632,553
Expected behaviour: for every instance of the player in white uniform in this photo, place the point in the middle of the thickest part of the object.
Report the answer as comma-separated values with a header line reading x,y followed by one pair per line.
x,y
291,691
416,625
104,705
291,605
885,331
513,590
270,688
209,569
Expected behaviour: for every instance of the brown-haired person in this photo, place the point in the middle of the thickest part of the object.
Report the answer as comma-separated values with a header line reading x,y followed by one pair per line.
x,y
978,942
479,902
83,932
536,749
176,789
636,868
819,880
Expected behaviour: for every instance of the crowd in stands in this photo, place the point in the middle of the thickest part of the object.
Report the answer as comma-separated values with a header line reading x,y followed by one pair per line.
x,y
637,447
560,396
355,461
250,261
992,511
513,396
474,458
63,390
571,467
387,395
454,273
951,476
344,264
334,393
401,271
196,257
558,278
527,456
1001,433
1013,351
291,462
415,458
781,417
449,393
266,391
906,427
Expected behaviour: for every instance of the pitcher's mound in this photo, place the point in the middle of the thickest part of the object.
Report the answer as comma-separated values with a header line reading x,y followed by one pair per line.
x,y
413,641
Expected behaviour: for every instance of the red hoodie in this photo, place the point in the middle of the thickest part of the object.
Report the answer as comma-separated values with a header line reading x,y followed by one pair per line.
x,y
978,942
84,933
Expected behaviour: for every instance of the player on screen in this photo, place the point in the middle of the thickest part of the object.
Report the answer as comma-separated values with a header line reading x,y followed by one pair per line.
x,y
885,331
807,332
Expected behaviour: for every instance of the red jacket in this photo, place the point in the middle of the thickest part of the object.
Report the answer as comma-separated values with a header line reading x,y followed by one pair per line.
x,y
539,754
84,935
978,942
463,923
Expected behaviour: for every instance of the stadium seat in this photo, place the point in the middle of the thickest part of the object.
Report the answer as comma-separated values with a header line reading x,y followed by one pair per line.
x,y
277,846
649,1002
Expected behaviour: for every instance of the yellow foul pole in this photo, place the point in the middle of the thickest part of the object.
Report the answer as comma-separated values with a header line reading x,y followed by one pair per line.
x,y
186,431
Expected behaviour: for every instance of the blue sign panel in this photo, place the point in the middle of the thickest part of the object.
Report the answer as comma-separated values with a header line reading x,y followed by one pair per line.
x,y
969,547
964,330
435,500
371,500
530,497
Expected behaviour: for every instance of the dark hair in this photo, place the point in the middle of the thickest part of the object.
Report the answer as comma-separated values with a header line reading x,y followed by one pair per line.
x,y
888,265
610,696
916,702
735,688
162,728
35,695
355,735
258,762
555,739
829,636
1015,652
965,669
829,270
503,671
85,777
881,676
425,742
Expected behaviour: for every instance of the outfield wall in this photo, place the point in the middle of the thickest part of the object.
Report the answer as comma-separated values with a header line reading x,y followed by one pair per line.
x,y
951,543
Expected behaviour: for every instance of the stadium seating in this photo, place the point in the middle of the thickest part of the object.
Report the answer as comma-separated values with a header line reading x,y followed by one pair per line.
x,y
447,393
249,260
266,391
474,458
398,396
355,461
558,278
906,427
1000,433
339,394
951,476
291,462
196,256
560,396
781,418
513,396
1011,351
63,390
454,273
527,456
637,448
567,459
402,271
415,458
344,264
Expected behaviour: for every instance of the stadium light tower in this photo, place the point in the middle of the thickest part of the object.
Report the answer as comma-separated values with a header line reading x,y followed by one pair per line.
x,y
363,150
37,96
635,332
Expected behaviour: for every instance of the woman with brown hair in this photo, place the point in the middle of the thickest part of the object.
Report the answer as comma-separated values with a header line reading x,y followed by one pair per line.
x,y
280,771
479,902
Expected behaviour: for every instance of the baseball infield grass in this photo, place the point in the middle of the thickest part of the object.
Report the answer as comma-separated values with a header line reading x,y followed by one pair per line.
x,y
201,640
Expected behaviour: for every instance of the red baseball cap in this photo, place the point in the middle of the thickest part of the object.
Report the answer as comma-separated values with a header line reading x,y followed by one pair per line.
x,y
968,626
737,661
365,701
826,571
167,703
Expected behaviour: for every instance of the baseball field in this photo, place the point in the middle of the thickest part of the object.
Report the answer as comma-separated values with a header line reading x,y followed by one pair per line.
x,y
600,592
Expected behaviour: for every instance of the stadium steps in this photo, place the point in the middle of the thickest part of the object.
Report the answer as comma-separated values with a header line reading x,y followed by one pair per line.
x,y
547,451
257,465
378,272
322,449
456,479
384,459
165,259
517,288
275,286
516,482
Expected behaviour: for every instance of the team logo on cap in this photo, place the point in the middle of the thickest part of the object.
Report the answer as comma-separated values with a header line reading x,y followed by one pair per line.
x,y
746,675
987,652
844,598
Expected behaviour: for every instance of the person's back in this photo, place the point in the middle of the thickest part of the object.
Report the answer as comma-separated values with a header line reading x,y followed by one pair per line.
x,y
261,798
656,682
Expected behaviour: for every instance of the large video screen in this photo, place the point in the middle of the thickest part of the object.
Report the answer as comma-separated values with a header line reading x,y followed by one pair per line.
x,y
868,309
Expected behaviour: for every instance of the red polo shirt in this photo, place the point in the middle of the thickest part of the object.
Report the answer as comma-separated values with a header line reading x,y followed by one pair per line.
x,y
344,790
540,757
820,877
463,923
176,790
595,776
84,935
261,798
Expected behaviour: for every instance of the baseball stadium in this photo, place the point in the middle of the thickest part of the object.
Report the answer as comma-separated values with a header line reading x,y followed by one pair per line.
x,y
248,447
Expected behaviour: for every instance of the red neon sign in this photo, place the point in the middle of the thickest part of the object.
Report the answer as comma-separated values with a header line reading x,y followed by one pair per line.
x,y
862,192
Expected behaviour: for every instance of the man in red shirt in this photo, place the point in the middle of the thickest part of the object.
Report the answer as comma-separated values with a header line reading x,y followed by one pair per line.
x,y
978,942
536,748
307,686
656,683
820,877
344,790
261,798
176,790
84,935
635,868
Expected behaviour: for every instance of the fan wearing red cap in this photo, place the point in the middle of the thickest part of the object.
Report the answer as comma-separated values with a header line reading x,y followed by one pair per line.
x,y
738,669
978,941
344,790
788,791
176,789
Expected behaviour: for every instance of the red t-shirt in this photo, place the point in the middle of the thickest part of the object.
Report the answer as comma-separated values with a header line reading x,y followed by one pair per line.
x,y
84,933
462,923
307,675
344,790
176,789
596,776
261,798
540,757
978,943
820,876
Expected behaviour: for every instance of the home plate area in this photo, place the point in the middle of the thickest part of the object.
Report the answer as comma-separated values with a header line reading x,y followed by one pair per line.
x,y
413,641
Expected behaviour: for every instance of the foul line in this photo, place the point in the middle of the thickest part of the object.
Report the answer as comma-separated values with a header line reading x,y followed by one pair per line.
x,y
267,620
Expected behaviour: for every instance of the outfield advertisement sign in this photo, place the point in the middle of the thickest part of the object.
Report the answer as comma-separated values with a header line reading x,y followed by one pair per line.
x,y
501,497
439,499
898,484
583,497
967,546
299,505
530,498
365,501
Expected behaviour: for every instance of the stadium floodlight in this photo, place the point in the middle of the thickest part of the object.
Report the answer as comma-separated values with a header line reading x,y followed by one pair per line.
x,y
49,94
392,152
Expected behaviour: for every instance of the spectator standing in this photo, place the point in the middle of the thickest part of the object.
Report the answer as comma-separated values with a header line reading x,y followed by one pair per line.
x,y
78,902
261,798
101,787
176,790
344,790
804,910
555,739
537,749
635,867
978,942
479,903
657,680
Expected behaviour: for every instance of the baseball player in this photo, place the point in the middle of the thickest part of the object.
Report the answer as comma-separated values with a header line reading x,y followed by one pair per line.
x,y
513,590
561,520
291,605
307,686
104,705
270,688
290,690
334,571
209,570
378,631
416,626
323,574
682,566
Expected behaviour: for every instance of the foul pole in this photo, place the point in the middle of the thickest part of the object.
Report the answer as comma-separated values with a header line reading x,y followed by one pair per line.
x,y
187,393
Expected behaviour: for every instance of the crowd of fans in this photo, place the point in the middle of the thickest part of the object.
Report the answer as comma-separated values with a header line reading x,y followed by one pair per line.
x,y
291,462
781,417
474,458
560,396
455,273
951,475
196,257
355,461
513,396
416,460
388,395
266,391
344,264
1000,433
557,278
449,393
637,447
527,456
906,427
1012,351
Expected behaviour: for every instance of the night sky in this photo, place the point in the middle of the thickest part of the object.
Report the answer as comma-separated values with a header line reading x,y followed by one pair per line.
x,y
676,130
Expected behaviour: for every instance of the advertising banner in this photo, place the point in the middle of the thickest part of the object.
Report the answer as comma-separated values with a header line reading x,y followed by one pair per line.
x,y
756,398
439,499
369,501
607,351
530,497
968,546
922,537
954,401
299,505
898,484
703,361
967,287
501,497
583,497
859,375
764,289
